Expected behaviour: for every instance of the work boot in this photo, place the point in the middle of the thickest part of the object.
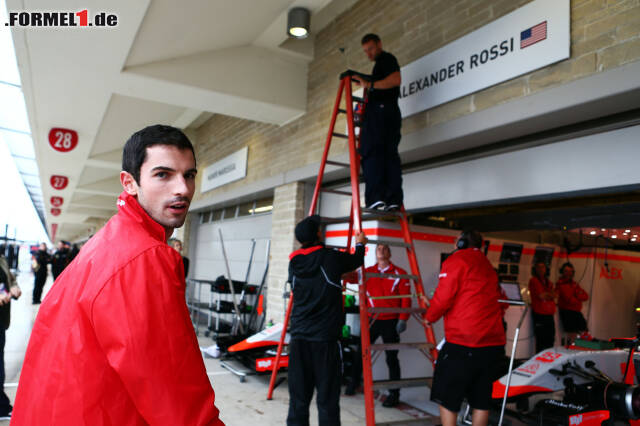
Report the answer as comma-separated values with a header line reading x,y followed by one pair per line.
x,y
392,399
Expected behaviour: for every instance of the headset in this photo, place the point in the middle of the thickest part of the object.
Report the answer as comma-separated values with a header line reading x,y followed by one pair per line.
x,y
466,238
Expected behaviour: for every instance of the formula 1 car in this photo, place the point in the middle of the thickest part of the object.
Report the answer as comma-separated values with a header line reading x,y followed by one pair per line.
x,y
574,386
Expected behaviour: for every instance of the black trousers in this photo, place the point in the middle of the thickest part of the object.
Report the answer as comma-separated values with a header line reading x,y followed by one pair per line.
x,y
38,285
379,149
544,329
5,404
387,330
314,365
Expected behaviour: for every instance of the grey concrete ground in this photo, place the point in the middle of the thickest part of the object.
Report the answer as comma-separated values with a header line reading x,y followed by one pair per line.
x,y
240,404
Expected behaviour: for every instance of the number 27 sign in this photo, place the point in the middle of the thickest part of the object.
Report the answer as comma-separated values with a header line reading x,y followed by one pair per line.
x,y
63,140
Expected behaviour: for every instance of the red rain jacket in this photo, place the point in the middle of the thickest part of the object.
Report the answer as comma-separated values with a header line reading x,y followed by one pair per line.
x,y
467,295
113,342
570,295
377,287
539,305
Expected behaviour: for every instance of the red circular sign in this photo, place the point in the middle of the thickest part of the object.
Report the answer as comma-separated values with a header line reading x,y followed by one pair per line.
x,y
63,140
59,182
57,201
55,211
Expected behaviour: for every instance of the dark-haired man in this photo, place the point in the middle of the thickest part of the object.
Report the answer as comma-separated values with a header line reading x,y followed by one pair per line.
x,y
60,259
316,321
543,307
41,260
570,298
467,296
381,129
113,342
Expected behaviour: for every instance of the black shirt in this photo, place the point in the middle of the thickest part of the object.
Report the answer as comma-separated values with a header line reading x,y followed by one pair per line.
x,y
315,274
386,64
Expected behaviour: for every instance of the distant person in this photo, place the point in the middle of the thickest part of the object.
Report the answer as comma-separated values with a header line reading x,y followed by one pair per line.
x,y
315,358
543,306
41,259
570,298
467,296
73,252
380,133
177,245
60,259
8,289
113,343
388,326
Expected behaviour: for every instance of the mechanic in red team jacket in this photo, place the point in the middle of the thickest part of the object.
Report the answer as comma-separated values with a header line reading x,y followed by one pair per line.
x,y
388,325
570,298
467,296
113,342
543,307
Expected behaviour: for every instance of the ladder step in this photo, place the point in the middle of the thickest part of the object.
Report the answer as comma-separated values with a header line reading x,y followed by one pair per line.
x,y
389,242
396,310
401,345
385,275
336,191
340,135
403,383
324,219
338,163
381,213
427,420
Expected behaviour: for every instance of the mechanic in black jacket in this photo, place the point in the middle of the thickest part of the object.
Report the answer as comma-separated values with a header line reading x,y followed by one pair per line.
x,y
316,322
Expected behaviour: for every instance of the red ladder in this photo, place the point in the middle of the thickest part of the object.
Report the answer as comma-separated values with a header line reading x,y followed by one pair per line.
x,y
355,225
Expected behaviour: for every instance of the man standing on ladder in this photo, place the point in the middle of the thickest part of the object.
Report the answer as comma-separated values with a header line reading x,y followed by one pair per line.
x,y
467,296
380,133
388,293
316,321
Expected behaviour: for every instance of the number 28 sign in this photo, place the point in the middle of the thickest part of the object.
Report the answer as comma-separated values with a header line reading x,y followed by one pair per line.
x,y
63,140
59,182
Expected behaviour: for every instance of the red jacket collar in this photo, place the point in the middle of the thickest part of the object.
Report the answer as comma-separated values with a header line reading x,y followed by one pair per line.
x,y
565,281
129,207
305,251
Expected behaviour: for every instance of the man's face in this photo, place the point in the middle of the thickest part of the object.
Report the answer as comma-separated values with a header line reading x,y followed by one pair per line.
x,y
567,272
177,246
43,246
167,183
383,254
541,270
372,49
60,245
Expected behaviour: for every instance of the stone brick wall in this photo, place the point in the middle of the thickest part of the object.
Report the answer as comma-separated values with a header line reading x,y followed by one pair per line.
x,y
288,209
604,34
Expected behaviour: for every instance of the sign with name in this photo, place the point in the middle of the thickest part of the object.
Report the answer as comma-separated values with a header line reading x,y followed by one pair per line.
x,y
227,170
531,37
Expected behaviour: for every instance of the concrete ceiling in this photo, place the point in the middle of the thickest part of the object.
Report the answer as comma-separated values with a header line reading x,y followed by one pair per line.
x,y
166,62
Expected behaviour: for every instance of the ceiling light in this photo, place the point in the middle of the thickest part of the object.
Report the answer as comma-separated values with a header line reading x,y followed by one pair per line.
x,y
635,235
593,232
633,239
298,21
614,236
261,209
603,229
627,230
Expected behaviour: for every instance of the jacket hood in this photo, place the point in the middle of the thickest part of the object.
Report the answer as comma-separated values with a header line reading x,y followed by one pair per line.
x,y
306,262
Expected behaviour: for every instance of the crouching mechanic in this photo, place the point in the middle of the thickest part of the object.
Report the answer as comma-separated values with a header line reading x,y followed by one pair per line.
x,y
316,322
113,342
467,296
388,325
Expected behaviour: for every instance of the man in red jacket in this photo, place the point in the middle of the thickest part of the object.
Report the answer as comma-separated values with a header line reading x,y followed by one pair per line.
x,y
388,326
570,298
113,342
467,296
543,307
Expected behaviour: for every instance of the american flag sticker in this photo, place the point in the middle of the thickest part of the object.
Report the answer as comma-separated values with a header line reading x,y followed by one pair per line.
x,y
533,35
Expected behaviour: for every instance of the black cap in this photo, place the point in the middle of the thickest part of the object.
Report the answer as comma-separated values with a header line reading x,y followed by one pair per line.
x,y
307,229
